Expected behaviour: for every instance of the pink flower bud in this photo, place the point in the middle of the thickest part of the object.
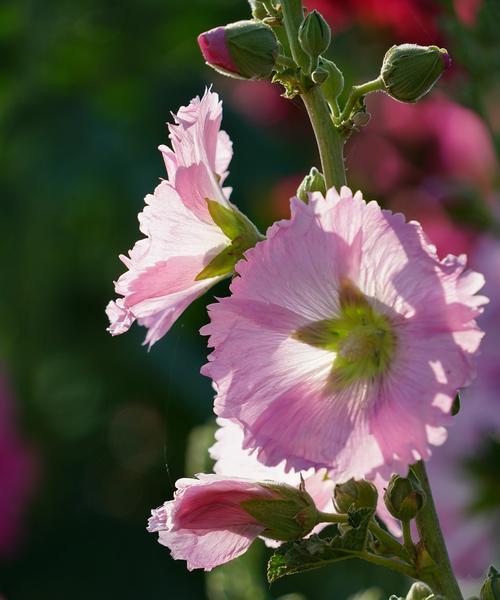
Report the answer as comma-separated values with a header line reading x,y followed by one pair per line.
x,y
215,51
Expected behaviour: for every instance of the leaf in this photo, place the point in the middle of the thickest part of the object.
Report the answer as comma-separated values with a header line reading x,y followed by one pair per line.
x,y
316,552
222,264
232,223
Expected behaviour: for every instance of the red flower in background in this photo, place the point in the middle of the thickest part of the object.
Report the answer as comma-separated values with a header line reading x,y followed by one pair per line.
x,y
17,474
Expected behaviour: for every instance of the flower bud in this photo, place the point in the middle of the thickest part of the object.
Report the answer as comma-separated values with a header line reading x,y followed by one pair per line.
x,y
314,35
491,587
410,71
314,181
259,11
361,494
245,49
419,591
290,515
334,83
404,497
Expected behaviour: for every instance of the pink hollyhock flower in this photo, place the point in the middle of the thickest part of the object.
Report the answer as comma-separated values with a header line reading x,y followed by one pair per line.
x,y
344,341
213,519
182,238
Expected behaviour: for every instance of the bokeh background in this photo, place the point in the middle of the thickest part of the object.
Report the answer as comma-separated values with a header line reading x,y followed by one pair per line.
x,y
95,430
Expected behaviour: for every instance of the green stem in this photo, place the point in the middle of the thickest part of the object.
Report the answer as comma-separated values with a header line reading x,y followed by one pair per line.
x,y
389,563
389,542
331,518
356,92
329,139
442,580
407,539
293,15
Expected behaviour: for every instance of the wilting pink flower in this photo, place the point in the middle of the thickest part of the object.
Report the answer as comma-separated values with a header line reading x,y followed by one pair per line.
x,y
344,341
211,519
17,474
181,236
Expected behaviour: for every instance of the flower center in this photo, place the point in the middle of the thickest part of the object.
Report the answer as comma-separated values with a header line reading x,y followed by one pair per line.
x,y
362,339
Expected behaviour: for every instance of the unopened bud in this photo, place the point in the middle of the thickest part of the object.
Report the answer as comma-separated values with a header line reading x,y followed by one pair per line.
x,y
419,591
314,181
314,35
404,497
491,587
259,11
334,83
360,494
289,516
245,49
410,71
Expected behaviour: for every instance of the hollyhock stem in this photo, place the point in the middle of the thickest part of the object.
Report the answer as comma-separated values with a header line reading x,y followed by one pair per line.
x,y
356,92
443,580
330,141
389,542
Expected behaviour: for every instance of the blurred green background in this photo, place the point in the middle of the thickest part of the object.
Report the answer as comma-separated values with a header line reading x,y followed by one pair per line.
x,y
86,87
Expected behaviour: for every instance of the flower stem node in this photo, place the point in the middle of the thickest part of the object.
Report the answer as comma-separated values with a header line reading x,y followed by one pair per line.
x,y
410,71
314,181
491,587
360,494
314,37
404,497
290,515
244,50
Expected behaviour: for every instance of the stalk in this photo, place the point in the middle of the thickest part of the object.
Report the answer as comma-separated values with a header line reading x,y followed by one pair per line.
x,y
442,580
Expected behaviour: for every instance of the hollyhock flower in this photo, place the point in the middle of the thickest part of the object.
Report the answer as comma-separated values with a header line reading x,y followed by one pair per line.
x,y
344,340
180,257
213,519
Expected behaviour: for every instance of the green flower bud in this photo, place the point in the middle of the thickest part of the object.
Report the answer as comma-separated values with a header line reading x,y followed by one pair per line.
x,y
334,83
289,516
419,591
361,494
259,11
410,71
314,35
245,49
404,497
314,181
491,587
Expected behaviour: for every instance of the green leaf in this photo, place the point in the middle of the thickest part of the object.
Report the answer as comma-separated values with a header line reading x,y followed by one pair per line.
x,y
222,264
316,552
232,222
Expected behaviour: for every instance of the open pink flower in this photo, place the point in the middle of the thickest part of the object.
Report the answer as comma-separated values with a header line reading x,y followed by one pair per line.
x,y
181,236
213,519
344,340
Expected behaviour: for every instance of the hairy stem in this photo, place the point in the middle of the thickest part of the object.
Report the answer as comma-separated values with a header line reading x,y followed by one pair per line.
x,y
389,563
442,580
389,542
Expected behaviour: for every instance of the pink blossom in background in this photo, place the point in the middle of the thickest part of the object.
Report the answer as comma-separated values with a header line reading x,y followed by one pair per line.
x,y
302,402
404,20
181,237
17,474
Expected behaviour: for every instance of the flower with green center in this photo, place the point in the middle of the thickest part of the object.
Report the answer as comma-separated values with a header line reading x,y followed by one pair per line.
x,y
362,339
344,340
